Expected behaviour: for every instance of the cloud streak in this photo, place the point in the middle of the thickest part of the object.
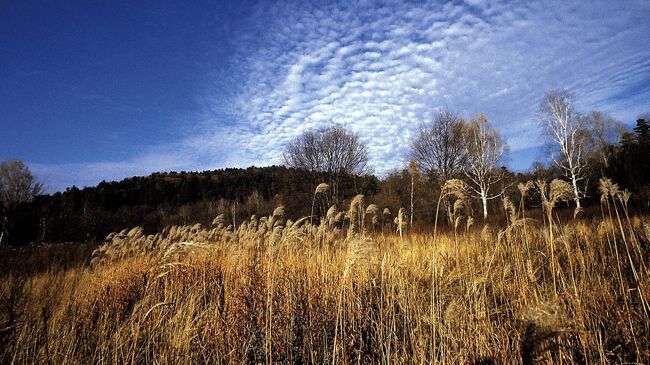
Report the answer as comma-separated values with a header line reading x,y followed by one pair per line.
x,y
383,70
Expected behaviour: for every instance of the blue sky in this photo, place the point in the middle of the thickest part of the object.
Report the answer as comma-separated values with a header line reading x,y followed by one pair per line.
x,y
109,89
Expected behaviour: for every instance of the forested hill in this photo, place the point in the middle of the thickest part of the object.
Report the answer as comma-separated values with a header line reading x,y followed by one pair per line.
x,y
164,199
161,199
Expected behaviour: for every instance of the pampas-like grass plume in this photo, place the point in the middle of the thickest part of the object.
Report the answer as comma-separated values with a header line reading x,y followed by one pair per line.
x,y
331,215
279,212
373,211
560,191
511,211
456,188
400,222
356,215
322,188
469,223
607,188
287,291
524,188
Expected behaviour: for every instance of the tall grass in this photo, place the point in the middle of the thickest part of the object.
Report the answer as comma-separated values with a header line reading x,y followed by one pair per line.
x,y
274,290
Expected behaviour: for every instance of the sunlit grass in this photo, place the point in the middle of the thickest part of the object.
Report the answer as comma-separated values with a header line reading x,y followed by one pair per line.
x,y
281,291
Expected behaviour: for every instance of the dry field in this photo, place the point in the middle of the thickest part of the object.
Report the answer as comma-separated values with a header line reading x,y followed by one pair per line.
x,y
347,290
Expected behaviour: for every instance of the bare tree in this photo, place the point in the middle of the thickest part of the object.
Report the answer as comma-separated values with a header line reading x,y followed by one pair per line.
x,y
17,185
567,132
485,148
605,131
334,151
439,148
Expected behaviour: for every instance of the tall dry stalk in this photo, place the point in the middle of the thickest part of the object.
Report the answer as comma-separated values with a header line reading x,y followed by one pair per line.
x,y
356,216
400,223
385,217
373,211
559,191
320,189
609,191
270,291
453,187
523,191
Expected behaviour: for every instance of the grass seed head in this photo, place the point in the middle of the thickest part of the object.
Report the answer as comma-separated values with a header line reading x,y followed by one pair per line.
x,y
560,191
322,188
524,188
372,209
607,188
279,212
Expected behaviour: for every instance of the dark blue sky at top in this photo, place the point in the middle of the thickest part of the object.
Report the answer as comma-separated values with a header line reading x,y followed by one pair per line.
x,y
94,90
96,80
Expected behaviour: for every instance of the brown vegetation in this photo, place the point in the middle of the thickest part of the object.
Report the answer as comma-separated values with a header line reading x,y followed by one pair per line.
x,y
342,291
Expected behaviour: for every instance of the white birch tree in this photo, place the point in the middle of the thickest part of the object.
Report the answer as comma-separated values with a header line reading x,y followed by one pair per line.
x,y
566,132
485,148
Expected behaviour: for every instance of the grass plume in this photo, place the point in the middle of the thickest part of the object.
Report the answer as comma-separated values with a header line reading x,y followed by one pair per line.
x,y
276,290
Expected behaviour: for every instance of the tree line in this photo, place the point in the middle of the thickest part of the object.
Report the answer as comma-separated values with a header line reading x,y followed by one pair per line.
x,y
582,148
162,199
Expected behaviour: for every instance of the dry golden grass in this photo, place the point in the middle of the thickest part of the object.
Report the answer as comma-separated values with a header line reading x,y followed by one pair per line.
x,y
291,292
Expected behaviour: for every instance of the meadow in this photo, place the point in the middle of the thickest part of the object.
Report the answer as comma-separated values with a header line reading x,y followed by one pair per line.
x,y
353,286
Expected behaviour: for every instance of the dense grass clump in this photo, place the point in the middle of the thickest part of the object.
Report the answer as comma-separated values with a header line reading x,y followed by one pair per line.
x,y
342,291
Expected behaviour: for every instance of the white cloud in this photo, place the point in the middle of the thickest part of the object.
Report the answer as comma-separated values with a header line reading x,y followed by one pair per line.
x,y
384,74
381,71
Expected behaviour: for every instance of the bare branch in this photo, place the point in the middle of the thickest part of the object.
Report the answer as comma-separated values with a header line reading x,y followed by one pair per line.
x,y
439,148
567,132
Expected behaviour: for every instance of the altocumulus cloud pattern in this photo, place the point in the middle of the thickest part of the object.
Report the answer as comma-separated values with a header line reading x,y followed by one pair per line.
x,y
383,69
